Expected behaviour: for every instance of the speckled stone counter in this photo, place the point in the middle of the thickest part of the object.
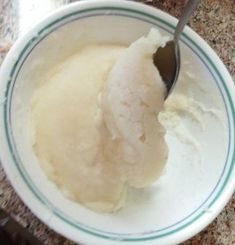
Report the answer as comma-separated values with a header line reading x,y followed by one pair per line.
x,y
214,20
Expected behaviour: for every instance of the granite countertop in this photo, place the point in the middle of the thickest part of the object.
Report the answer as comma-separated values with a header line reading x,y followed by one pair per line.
x,y
214,20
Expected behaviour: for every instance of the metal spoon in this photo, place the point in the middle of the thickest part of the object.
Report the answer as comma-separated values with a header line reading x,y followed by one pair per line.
x,y
167,59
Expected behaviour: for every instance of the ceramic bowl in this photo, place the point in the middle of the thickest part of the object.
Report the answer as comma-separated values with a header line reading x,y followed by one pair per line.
x,y
188,196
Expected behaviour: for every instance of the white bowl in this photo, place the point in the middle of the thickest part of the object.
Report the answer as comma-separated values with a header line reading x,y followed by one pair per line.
x,y
186,199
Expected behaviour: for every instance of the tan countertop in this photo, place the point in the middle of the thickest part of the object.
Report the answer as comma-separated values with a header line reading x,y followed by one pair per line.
x,y
214,20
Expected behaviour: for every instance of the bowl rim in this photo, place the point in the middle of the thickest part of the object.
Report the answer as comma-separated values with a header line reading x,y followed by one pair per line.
x,y
7,155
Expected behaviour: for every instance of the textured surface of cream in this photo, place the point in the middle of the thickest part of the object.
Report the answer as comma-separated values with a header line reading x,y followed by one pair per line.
x,y
132,98
95,126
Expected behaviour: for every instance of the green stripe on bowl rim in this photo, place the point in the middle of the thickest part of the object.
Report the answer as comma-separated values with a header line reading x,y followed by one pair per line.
x,y
13,75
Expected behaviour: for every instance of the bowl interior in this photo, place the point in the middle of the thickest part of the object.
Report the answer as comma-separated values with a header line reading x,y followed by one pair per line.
x,y
193,172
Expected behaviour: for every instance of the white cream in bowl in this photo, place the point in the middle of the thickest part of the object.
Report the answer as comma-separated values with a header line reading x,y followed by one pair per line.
x,y
95,122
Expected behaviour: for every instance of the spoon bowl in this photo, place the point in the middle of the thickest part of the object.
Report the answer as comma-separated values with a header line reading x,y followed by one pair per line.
x,y
167,58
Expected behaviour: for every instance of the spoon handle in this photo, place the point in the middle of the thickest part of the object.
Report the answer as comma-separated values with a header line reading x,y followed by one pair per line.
x,y
187,11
